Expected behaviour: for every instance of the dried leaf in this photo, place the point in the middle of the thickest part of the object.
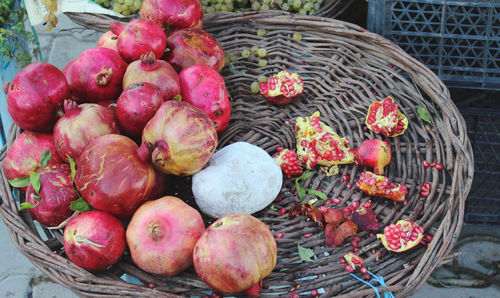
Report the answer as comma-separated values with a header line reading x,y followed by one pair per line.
x,y
330,235
366,219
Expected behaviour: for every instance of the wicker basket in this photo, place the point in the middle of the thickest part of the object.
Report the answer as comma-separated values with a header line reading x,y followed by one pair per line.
x,y
345,68
100,22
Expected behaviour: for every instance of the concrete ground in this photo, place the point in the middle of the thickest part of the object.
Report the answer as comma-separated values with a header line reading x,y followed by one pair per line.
x,y
19,278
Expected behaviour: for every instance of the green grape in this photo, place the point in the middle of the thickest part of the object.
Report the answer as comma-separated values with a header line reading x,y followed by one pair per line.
x,y
254,50
220,1
204,2
210,9
245,53
262,52
302,12
218,7
261,32
264,7
119,1
297,4
285,7
316,6
278,2
266,1
262,79
223,7
262,63
126,13
254,87
230,7
255,5
228,1
297,36
137,5
128,2
308,6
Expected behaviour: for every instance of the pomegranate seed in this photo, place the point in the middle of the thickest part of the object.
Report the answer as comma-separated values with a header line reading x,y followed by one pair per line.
x,y
438,166
356,249
355,204
293,295
342,260
349,268
278,198
308,268
323,209
279,149
346,210
350,208
151,285
282,211
405,202
428,238
329,201
367,204
216,295
279,235
308,235
287,122
363,270
374,251
372,235
367,276
337,201
348,186
354,243
390,66
426,245
295,192
426,164
433,164
314,293
346,178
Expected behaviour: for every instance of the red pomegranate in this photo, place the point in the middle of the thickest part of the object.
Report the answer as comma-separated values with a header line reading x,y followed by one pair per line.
x,y
205,89
189,46
56,192
139,37
114,175
94,240
80,125
154,71
24,154
173,14
182,138
160,186
136,106
235,253
108,40
162,234
96,75
35,96
373,153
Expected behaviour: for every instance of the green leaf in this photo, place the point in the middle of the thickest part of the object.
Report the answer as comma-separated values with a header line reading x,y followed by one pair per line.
x,y
35,181
233,69
423,114
72,165
178,97
273,208
79,205
304,176
300,190
20,182
319,194
312,201
45,158
305,254
26,205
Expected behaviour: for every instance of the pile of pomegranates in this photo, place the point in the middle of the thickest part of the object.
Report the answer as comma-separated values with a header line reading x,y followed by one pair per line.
x,y
101,136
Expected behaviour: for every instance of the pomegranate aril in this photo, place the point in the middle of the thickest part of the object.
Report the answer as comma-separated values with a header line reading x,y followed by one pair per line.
x,y
428,238
278,235
308,235
357,238
346,210
363,270
314,293
356,249
329,201
337,201
433,164
282,211
342,260
349,268
323,209
346,177
367,204
367,276
355,205
438,166
293,295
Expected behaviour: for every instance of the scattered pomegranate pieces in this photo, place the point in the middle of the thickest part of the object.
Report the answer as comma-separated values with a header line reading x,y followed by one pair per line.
x,y
438,166
401,236
373,153
366,219
288,162
379,186
344,231
426,164
282,88
384,118
353,260
318,144
425,189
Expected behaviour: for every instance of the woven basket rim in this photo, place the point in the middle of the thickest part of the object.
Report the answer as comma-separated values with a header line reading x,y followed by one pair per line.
x,y
69,275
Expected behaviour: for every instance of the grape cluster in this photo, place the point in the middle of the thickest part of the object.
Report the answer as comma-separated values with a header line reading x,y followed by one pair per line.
x,y
302,7
125,7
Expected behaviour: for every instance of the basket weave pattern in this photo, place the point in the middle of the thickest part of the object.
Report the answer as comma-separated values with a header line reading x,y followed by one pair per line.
x,y
344,68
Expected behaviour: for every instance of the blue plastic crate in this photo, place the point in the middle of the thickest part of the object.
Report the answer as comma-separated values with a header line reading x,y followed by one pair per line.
x,y
459,40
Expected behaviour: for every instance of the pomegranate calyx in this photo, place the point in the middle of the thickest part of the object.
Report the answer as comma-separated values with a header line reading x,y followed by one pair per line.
x,y
116,27
154,231
71,107
104,76
144,152
148,62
